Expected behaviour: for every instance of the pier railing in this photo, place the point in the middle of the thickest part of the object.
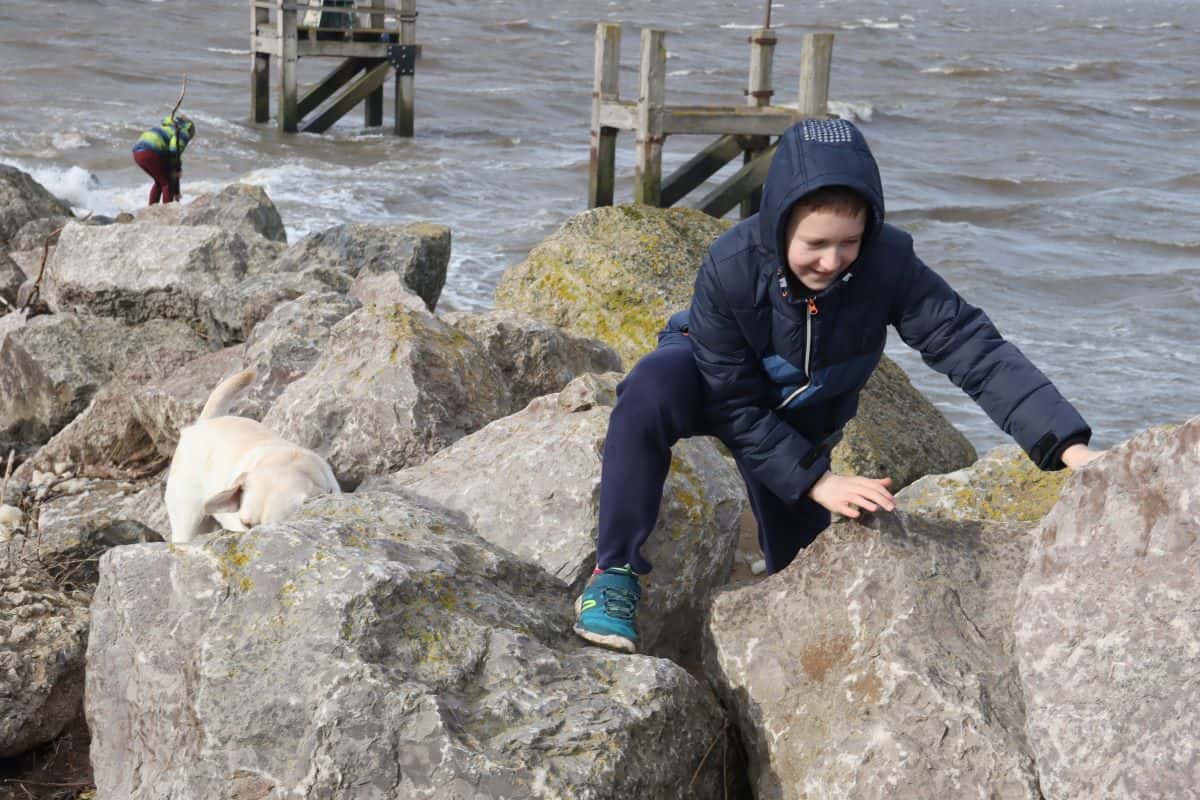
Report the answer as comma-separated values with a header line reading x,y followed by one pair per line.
x,y
744,130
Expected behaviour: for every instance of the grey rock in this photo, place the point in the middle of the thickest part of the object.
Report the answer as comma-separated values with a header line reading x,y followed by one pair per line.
x,y
236,310
1106,629
535,357
147,271
419,252
239,207
394,386
372,648
52,366
880,665
547,459
36,234
43,635
23,199
107,439
281,350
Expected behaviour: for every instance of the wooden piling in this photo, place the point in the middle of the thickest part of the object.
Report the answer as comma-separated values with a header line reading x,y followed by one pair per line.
x,y
652,84
373,108
602,165
405,107
758,95
260,67
289,116
815,59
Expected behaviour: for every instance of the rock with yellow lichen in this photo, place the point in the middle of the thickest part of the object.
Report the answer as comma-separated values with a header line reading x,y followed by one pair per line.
x,y
614,273
880,665
1002,486
547,458
375,647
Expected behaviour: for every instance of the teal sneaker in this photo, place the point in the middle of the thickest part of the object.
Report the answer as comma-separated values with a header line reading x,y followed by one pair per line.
x,y
606,612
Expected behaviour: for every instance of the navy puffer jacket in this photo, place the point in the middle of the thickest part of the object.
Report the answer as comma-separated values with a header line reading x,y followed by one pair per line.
x,y
782,381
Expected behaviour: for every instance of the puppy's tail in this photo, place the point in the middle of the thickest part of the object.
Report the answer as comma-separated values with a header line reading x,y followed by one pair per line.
x,y
223,396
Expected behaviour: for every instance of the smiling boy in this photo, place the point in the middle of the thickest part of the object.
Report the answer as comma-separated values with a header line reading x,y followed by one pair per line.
x,y
788,319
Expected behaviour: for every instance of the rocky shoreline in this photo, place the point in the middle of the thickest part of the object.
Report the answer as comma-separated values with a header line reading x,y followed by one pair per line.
x,y
411,638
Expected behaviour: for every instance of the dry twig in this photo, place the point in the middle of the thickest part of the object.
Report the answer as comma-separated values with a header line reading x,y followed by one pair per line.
x,y
36,290
181,94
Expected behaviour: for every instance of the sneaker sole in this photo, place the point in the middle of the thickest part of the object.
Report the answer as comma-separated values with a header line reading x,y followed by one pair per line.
x,y
611,641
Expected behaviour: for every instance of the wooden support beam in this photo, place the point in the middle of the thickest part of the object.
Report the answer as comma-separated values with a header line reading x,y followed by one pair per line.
x,y
729,194
354,94
758,95
324,89
289,117
652,84
405,105
815,58
602,165
373,109
739,121
260,67
699,168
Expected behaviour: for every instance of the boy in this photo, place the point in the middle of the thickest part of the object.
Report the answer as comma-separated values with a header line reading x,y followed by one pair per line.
x,y
159,152
788,320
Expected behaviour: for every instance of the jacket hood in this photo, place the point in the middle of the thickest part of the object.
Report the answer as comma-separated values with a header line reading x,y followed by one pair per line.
x,y
811,154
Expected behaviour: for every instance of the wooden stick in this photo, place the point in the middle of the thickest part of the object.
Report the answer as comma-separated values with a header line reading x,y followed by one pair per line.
x,y
182,92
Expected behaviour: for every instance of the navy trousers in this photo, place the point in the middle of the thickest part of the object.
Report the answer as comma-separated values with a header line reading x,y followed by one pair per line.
x,y
658,403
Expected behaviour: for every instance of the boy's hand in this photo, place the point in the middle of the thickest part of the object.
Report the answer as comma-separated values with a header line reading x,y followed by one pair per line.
x,y
1077,455
845,495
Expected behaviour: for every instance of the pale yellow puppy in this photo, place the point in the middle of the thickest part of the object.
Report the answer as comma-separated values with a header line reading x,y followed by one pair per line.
x,y
238,470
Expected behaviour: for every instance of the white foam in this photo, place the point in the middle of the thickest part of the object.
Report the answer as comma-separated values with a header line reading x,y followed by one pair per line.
x,y
850,110
228,51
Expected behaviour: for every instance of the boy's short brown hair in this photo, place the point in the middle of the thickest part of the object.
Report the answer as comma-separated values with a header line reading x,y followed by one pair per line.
x,y
841,200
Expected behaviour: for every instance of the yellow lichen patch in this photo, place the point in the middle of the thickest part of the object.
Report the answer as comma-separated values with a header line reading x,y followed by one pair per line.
x,y
232,561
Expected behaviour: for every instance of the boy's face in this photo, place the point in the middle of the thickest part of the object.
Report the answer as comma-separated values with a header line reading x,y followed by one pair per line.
x,y
822,244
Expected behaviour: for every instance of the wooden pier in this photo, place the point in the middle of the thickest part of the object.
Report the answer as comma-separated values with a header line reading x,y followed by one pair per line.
x,y
744,130
371,37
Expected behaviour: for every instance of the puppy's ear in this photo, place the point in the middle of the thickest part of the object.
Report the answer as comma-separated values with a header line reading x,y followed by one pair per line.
x,y
228,501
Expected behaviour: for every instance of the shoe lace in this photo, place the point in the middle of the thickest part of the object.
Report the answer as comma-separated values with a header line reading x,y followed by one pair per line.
x,y
619,603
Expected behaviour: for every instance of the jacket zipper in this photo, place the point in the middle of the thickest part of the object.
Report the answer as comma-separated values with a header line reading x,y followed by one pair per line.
x,y
812,312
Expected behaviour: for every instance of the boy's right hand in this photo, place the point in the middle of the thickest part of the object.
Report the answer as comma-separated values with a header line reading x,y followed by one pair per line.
x,y
845,495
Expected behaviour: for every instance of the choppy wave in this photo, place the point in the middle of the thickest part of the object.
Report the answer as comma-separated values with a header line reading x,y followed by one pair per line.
x,y
1102,68
853,111
965,70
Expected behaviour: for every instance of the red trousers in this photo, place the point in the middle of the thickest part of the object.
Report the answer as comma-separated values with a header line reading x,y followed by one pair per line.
x,y
158,167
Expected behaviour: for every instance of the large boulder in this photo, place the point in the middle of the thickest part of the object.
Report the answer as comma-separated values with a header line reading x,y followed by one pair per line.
x,y
547,459
37,234
239,207
1003,486
149,271
23,199
898,433
373,648
393,386
536,358
1106,624
419,252
43,636
52,366
613,273
107,440
880,665
235,313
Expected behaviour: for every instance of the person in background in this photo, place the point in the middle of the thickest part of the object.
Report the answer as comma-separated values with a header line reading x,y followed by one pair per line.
x,y
159,152
788,320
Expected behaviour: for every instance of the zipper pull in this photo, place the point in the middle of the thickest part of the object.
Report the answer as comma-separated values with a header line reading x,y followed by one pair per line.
x,y
812,306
